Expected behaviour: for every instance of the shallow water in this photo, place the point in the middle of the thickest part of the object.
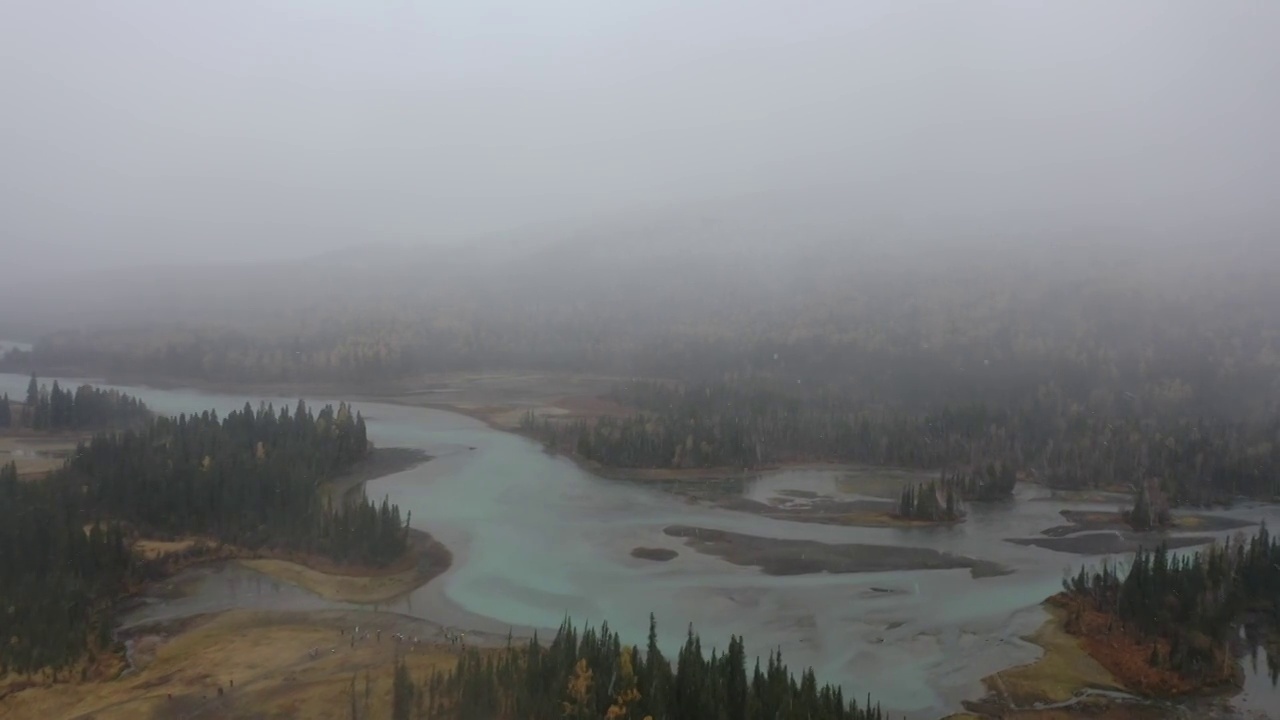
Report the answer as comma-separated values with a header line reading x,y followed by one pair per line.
x,y
536,539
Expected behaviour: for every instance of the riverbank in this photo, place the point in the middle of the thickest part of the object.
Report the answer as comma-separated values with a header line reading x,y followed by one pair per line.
x,y
1089,668
379,463
1113,542
1081,521
1066,681
425,559
1128,658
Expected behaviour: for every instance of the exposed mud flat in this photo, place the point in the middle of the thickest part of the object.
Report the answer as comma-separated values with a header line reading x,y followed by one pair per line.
x,y
826,511
1085,521
802,557
654,554
1111,542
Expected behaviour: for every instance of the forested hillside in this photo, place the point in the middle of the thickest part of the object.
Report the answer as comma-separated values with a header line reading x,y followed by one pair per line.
x,y
590,674
1109,327
250,480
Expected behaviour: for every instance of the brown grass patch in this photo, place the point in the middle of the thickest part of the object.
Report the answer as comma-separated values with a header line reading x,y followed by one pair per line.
x,y
1127,657
36,455
261,662
152,549
1063,670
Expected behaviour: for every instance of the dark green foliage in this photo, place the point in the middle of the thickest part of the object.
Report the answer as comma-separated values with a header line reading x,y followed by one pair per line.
x,y
995,481
86,407
1150,508
537,682
402,693
6,412
57,582
1195,602
933,501
748,424
251,478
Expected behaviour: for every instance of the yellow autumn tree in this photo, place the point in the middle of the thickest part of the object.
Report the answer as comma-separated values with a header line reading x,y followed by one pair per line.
x,y
627,693
579,703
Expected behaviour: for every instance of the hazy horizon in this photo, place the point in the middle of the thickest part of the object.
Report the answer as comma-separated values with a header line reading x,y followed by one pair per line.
x,y
144,132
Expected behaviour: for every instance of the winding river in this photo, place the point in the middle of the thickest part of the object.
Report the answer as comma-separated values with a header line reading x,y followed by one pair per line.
x,y
536,539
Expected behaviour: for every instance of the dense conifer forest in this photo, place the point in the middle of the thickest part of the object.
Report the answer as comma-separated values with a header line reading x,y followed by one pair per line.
x,y
86,407
250,479
1188,608
58,581
589,674
932,501
751,425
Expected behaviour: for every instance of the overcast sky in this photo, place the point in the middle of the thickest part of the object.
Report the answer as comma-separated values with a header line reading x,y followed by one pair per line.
x,y
145,131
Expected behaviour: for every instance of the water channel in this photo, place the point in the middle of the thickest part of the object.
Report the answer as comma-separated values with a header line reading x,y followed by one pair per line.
x,y
536,539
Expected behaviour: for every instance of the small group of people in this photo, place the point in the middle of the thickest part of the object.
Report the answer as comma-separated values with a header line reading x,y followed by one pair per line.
x,y
456,639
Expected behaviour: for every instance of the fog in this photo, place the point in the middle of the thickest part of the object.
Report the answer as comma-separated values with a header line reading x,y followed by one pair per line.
x,y
149,132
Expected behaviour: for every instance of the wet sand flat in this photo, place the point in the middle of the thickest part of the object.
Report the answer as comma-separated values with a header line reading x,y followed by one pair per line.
x,y
801,557
1110,543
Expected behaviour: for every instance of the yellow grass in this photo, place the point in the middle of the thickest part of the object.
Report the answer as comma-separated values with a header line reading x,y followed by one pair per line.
x,y
266,656
151,549
1063,670
35,456
343,588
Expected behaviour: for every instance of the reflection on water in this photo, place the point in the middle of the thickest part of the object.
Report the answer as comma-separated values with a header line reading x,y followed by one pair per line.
x,y
536,539
218,587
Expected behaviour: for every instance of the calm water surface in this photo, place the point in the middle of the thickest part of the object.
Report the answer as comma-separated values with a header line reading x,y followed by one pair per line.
x,y
536,539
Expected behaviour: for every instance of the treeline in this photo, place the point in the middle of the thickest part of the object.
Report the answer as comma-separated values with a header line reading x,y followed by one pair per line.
x,y
250,479
1188,608
753,423
988,483
932,501
943,500
58,409
591,675
1150,508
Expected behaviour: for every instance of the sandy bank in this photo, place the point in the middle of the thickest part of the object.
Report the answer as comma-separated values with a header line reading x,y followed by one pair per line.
x,y
1065,682
379,463
802,557
426,559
